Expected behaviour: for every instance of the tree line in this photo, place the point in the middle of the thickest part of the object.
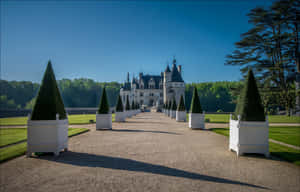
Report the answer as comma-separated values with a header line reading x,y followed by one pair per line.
x,y
214,96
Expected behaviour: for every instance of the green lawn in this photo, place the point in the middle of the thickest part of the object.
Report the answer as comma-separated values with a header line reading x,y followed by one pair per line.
x,y
20,149
12,135
224,118
289,135
283,152
73,119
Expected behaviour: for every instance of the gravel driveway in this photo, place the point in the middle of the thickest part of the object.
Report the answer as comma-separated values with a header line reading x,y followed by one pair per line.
x,y
150,152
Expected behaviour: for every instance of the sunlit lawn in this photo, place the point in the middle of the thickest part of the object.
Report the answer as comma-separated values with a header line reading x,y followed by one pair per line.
x,y
289,135
14,135
224,118
73,119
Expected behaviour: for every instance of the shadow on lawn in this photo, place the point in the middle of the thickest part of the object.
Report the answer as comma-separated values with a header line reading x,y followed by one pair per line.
x,y
91,160
139,130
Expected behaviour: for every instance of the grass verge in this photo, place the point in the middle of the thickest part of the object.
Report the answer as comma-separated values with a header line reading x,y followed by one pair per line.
x,y
73,120
11,152
277,150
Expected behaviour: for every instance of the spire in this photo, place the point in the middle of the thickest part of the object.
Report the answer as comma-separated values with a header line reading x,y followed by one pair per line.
x,y
127,77
174,61
175,75
167,69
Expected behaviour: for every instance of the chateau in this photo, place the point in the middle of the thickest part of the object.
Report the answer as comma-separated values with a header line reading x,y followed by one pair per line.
x,y
154,90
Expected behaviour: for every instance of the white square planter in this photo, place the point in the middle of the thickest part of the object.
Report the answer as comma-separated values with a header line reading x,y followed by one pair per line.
x,y
173,114
180,116
127,114
196,120
120,116
47,136
249,137
103,121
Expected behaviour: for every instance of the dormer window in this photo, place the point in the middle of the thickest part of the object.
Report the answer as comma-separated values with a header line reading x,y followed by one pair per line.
x,y
151,84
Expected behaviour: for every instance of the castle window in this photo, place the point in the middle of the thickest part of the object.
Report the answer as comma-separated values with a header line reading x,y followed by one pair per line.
x,y
161,94
141,94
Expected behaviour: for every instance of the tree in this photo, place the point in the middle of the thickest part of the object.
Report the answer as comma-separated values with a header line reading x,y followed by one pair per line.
x,y
195,105
48,102
170,105
174,105
127,107
7,103
271,49
132,105
181,106
104,106
119,107
249,105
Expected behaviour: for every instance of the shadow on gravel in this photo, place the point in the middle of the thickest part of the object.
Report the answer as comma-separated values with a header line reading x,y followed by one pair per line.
x,y
91,160
139,130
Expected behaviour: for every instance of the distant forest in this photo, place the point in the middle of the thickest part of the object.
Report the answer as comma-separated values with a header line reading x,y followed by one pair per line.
x,y
214,96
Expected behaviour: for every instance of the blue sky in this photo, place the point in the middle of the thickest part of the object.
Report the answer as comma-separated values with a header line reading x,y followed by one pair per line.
x,y
102,40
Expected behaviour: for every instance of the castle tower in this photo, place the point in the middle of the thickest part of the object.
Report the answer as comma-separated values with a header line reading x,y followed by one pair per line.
x,y
174,86
167,79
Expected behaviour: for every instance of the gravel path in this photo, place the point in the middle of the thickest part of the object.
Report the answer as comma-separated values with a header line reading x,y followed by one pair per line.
x,y
150,152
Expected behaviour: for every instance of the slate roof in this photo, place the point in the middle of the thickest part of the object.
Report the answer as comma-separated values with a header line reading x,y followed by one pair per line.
x,y
126,86
175,75
167,69
146,79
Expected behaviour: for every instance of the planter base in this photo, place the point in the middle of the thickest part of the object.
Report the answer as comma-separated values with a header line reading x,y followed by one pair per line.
x,y
47,136
120,116
103,121
181,116
196,121
173,114
249,137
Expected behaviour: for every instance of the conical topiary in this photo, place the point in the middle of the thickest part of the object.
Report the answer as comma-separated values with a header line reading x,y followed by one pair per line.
x,y
170,105
174,105
119,107
127,107
195,104
249,105
181,106
132,105
49,101
104,106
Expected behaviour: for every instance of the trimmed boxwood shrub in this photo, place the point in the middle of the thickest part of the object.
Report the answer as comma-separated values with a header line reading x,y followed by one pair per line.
x,y
104,106
127,107
119,107
48,102
195,104
174,105
249,105
181,106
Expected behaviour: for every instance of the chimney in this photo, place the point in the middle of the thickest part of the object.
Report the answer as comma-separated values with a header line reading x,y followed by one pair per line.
x,y
179,68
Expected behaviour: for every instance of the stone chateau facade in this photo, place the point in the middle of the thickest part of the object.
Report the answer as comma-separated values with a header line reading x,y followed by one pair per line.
x,y
154,90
